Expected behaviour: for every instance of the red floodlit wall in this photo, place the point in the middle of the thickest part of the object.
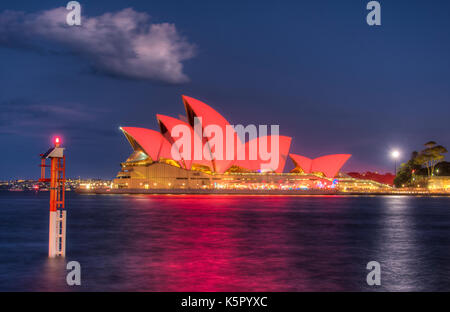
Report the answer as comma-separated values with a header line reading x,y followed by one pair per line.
x,y
329,165
387,178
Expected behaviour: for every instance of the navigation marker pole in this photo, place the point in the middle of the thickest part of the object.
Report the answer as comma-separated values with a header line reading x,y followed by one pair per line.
x,y
57,224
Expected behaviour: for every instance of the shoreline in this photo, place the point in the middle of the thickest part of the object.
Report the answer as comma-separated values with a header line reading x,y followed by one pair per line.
x,y
254,192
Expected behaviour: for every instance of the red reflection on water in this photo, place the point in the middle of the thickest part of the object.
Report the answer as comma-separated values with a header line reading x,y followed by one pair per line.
x,y
219,243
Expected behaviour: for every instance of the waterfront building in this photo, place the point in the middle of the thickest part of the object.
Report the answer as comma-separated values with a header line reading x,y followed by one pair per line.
x,y
152,165
439,183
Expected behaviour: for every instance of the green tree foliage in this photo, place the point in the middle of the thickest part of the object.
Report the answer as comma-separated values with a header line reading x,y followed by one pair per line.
x,y
431,156
405,173
421,164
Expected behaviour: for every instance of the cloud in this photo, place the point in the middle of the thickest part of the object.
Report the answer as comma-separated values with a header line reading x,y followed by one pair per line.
x,y
31,119
123,44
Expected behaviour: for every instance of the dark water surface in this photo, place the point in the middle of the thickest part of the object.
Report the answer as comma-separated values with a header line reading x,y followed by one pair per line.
x,y
228,243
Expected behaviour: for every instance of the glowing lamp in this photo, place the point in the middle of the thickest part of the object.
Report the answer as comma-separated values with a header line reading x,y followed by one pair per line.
x,y
57,141
395,155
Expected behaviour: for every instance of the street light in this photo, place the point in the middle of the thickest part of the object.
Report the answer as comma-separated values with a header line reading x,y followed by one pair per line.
x,y
395,154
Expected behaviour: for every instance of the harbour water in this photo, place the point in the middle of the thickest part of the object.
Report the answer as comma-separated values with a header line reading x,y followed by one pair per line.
x,y
228,243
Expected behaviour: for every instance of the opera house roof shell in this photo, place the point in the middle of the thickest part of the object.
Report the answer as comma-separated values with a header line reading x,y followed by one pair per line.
x,y
157,145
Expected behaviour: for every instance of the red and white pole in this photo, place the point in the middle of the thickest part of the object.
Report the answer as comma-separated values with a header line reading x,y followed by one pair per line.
x,y
57,221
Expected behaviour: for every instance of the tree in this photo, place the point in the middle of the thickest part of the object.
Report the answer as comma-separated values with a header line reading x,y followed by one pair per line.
x,y
403,176
405,173
430,156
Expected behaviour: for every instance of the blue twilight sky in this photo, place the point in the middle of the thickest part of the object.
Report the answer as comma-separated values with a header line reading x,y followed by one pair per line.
x,y
333,83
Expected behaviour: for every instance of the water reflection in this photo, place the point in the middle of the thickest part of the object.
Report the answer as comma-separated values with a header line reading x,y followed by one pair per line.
x,y
52,275
399,250
234,243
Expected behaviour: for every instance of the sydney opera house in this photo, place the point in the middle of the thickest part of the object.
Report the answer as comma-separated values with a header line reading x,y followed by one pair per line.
x,y
152,165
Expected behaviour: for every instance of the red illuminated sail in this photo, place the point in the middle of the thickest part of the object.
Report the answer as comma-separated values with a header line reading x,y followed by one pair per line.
x,y
329,165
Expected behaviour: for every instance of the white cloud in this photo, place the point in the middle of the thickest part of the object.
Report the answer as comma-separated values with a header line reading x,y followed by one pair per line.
x,y
123,44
